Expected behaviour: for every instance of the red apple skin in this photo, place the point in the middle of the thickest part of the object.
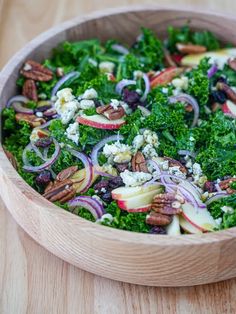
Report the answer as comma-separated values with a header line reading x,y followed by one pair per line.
x,y
165,76
122,204
192,223
98,125
143,209
225,108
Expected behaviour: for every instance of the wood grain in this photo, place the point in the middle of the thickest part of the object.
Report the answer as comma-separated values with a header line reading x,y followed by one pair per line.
x,y
34,281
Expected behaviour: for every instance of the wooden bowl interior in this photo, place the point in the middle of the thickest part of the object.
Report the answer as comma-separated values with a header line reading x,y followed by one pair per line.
x,y
113,253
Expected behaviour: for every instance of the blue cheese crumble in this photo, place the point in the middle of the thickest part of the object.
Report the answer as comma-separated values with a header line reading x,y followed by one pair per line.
x,y
72,132
66,105
135,178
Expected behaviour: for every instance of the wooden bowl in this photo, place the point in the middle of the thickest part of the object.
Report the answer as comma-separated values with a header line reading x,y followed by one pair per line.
x,y
121,255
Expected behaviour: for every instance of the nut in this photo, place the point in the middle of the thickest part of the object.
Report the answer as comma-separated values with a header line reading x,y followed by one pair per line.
x,y
60,191
232,63
138,163
11,159
35,71
176,163
59,72
30,90
110,113
30,118
167,204
228,91
66,173
225,185
156,219
190,48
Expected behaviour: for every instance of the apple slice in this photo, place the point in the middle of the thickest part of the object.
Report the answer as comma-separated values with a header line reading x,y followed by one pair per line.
x,y
122,193
79,176
99,122
141,200
165,76
142,209
173,228
188,227
229,109
198,217
220,56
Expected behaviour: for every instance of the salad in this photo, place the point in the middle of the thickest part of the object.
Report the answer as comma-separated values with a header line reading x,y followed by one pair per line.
x,y
139,138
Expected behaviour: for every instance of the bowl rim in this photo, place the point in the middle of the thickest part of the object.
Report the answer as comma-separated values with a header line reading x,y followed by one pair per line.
x,y
111,233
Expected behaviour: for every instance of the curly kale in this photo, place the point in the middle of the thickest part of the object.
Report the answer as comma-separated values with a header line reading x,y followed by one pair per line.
x,y
199,83
218,154
228,217
185,35
150,50
135,222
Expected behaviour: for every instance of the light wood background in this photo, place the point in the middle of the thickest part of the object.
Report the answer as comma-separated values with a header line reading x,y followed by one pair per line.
x,y
34,281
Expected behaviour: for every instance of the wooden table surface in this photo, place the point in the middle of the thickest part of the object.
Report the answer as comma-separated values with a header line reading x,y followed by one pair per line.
x,y
34,281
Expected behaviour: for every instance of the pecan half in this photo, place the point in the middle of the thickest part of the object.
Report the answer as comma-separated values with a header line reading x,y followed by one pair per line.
x,y
111,113
30,90
30,118
167,204
138,163
60,191
35,71
190,48
225,185
232,63
11,158
176,163
228,91
66,173
156,219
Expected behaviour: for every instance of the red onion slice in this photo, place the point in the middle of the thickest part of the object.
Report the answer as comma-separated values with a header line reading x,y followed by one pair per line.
x,y
88,168
27,167
145,111
96,204
123,83
120,49
63,80
217,186
37,152
88,203
99,145
103,174
147,87
17,98
212,71
189,100
44,126
18,107
216,197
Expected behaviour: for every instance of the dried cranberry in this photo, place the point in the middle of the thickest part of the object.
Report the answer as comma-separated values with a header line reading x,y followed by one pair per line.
x,y
97,103
43,108
115,182
158,230
43,142
106,197
219,96
209,186
101,185
130,96
43,178
221,79
122,166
